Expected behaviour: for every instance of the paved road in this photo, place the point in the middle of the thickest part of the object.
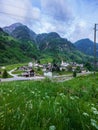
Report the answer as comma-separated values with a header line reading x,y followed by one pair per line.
x,y
15,77
62,78
22,78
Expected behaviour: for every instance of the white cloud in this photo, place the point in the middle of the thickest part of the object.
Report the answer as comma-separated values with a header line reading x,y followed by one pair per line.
x,y
72,19
22,11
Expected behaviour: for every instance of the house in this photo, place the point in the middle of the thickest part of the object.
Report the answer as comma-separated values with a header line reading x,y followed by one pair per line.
x,y
48,74
30,64
64,65
29,73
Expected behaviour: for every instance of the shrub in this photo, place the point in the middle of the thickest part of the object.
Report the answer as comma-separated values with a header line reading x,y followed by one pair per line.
x,y
74,74
5,74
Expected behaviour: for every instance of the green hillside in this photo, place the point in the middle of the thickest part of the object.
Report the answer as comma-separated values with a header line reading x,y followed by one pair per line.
x,y
53,45
22,45
14,51
86,46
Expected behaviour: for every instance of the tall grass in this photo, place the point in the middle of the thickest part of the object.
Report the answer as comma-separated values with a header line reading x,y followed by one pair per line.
x,y
45,105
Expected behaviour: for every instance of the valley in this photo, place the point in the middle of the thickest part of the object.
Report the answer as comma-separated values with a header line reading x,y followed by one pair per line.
x,y
46,82
23,45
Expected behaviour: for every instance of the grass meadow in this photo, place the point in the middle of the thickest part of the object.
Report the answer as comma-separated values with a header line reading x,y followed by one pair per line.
x,y
46,105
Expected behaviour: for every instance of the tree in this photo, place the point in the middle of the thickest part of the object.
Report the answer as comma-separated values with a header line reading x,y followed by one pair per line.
x,y
5,74
74,73
88,66
69,68
78,69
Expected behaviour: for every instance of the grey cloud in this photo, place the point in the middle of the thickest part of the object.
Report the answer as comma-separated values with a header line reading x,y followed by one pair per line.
x,y
59,10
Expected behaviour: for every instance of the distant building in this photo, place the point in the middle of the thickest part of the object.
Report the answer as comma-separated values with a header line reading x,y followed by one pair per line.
x,y
64,64
29,73
48,74
30,64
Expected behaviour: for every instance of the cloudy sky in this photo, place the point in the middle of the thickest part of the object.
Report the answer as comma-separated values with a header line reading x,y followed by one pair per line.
x,y
72,19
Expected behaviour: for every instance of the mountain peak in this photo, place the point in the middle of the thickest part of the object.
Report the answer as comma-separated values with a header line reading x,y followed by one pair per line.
x,y
83,42
11,28
54,34
86,46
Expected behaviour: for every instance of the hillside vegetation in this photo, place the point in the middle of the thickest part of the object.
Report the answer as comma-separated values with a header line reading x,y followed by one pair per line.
x,y
14,51
20,44
46,105
86,46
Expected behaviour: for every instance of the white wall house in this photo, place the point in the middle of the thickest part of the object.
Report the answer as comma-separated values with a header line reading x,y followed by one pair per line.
x,y
48,74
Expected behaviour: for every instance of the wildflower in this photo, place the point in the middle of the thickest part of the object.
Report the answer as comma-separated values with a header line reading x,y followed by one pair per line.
x,y
47,97
52,127
85,114
8,94
76,97
10,91
72,98
92,104
93,109
95,112
32,92
30,106
94,123
62,95
57,103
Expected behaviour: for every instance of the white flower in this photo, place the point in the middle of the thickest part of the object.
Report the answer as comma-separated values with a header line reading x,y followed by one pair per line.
x,y
72,98
94,123
93,109
52,127
95,112
32,92
85,114
62,95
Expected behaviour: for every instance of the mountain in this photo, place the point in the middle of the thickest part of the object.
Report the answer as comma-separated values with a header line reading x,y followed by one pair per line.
x,y
59,48
53,42
20,32
14,51
22,44
86,46
11,28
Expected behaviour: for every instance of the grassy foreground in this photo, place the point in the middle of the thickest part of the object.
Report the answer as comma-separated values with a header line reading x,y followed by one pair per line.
x,y
43,105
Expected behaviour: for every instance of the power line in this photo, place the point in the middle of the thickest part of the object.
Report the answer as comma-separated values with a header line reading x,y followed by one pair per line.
x,y
14,15
14,6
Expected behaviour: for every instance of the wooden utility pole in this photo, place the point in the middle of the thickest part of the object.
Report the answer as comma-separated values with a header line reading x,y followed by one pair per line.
x,y
94,48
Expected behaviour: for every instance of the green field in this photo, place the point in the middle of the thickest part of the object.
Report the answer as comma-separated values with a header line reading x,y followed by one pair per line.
x,y
46,105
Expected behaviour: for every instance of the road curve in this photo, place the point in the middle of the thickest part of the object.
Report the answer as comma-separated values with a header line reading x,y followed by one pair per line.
x,y
15,77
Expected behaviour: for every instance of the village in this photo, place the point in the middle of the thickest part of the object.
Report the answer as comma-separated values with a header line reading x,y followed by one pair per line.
x,y
36,71
49,69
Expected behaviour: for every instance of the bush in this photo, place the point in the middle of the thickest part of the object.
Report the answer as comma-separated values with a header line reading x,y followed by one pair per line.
x,y
74,74
5,74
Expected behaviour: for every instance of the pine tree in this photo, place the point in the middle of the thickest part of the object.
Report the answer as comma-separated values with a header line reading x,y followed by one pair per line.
x,y
74,73
5,74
